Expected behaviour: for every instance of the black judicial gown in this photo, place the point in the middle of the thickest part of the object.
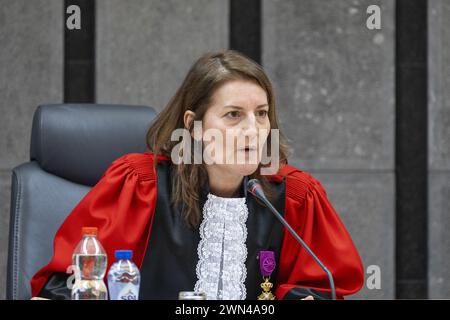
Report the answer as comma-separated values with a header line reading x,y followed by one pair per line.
x,y
131,207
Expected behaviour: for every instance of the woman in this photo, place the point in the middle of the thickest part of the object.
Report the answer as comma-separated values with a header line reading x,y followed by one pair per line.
x,y
186,212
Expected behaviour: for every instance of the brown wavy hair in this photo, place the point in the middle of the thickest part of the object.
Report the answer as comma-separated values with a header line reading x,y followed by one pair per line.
x,y
207,74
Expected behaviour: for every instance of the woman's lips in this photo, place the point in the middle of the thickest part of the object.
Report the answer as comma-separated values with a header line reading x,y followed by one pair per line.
x,y
248,149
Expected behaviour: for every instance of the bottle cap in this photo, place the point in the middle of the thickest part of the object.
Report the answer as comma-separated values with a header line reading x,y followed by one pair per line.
x,y
90,231
123,254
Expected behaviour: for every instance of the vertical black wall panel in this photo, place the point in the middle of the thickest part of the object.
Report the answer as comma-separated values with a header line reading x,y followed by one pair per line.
x,y
411,149
79,54
245,27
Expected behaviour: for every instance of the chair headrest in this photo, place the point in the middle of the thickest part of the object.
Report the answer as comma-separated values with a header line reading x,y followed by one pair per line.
x,y
79,141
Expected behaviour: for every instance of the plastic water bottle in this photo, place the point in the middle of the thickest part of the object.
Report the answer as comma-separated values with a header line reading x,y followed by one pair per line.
x,y
90,262
124,277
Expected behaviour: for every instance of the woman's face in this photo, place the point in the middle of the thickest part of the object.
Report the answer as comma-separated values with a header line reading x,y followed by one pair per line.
x,y
239,113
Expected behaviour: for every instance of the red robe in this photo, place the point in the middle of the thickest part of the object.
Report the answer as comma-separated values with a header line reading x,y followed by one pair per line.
x,y
127,191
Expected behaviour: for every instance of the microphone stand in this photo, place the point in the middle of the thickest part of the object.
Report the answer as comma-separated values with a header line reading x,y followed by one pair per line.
x,y
255,189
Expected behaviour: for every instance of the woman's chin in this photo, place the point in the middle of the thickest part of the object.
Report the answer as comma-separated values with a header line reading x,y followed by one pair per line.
x,y
245,169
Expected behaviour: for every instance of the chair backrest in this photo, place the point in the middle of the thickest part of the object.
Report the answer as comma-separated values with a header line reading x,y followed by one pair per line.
x,y
71,147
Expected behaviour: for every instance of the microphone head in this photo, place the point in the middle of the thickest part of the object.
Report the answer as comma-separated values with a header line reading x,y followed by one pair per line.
x,y
254,187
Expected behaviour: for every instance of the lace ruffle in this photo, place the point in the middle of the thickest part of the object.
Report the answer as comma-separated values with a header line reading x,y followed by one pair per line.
x,y
222,252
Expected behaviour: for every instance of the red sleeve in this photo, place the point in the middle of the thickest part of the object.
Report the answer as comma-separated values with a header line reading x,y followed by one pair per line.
x,y
312,216
120,205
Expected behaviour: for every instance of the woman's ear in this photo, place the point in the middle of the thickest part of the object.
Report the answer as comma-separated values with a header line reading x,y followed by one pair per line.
x,y
188,119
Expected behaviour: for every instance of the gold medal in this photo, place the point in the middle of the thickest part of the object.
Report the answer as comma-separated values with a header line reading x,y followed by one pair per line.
x,y
266,294
267,266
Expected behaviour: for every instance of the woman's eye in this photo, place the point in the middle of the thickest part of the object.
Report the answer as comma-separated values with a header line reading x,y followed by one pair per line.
x,y
262,113
233,114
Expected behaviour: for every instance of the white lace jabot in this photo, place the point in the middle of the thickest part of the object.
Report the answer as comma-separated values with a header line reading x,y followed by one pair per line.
x,y
222,252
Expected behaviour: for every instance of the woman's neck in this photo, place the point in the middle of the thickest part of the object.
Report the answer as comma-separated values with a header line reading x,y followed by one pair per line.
x,y
223,184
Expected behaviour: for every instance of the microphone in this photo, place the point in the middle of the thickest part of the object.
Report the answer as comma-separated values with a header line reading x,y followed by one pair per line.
x,y
254,187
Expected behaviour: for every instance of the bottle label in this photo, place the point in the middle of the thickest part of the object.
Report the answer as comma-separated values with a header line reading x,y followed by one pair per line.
x,y
129,292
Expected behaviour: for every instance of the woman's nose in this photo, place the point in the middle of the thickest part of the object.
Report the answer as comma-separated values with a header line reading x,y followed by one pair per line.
x,y
250,126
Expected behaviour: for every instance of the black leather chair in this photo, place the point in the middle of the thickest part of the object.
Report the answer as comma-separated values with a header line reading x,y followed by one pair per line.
x,y
71,147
